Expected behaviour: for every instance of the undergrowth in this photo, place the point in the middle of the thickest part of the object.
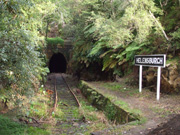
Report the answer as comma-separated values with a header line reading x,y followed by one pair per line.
x,y
9,127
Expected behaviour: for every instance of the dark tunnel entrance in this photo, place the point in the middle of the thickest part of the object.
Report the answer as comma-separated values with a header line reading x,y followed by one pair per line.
x,y
57,63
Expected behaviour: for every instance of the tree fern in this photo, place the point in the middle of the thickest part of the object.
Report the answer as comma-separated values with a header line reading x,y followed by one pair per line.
x,y
108,62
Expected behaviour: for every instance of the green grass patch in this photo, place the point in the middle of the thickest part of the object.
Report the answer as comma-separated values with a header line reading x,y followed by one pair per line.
x,y
161,111
124,105
9,127
89,111
59,113
138,122
95,127
113,86
173,60
39,107
55,41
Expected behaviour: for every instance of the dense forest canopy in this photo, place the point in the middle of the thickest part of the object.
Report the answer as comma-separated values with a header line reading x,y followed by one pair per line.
x,y
113,31
107,33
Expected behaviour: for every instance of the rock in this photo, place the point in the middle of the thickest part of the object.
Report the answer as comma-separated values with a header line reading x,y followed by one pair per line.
x,y
117,78
170,79
150,79
75,124
96,133
177,84
166,87
150,76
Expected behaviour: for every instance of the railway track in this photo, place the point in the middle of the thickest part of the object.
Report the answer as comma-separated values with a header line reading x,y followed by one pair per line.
x,y
64,98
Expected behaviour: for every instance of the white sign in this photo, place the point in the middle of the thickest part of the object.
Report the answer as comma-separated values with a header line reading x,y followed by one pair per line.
x,y
151,60
158,60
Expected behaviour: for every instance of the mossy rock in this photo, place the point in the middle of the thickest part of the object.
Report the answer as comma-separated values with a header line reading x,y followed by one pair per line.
x,y
112,111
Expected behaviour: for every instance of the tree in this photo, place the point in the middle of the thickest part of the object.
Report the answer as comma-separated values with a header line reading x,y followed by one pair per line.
x,y
114,30
21,57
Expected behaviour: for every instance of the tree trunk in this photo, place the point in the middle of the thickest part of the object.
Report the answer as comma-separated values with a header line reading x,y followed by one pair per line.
x,y
47,29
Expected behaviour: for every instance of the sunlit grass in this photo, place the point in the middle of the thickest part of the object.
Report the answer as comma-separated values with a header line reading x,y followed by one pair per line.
x,y
120,87
113,86
55,41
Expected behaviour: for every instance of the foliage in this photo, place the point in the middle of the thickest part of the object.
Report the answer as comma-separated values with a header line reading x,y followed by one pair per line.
x,y
55,41
20,60
107,34
112,32
22,31
110,111
176,38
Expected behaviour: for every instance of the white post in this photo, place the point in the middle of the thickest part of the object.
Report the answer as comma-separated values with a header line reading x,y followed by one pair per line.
x,y
158,82
140,78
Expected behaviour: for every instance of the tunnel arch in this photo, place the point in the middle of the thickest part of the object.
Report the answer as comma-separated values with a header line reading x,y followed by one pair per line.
x,y
58,63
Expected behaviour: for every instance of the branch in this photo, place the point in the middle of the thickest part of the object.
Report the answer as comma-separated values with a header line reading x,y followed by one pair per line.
x,y
112,7
32,119
164,33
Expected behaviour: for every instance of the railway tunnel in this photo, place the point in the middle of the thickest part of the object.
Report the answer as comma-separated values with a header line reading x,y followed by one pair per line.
x,y
57,63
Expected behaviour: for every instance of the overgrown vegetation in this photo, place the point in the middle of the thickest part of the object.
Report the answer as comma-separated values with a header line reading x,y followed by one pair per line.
x,y
9,127
111,32
55,41
23,28
116,110
107,34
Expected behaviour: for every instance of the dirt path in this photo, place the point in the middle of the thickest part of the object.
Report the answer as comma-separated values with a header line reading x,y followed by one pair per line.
x,y
172,127
166,110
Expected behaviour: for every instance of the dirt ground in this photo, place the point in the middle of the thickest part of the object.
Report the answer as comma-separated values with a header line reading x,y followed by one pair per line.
x,y
163,116
172,127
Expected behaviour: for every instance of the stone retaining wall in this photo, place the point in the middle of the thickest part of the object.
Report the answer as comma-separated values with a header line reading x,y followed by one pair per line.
x,y
113,112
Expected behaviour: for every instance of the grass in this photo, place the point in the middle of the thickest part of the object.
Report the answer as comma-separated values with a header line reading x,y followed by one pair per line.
x,y
173,60
89,111
55,41
114,86
9,127
39,110
99,122
138,122
59,113
123,105
161,111
39,106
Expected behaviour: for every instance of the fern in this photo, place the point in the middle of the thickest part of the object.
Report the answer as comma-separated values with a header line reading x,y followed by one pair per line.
x,y
176,34
105,53
108,62
90,31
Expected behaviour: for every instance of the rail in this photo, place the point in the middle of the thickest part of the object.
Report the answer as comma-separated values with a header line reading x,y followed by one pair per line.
x,y
78,103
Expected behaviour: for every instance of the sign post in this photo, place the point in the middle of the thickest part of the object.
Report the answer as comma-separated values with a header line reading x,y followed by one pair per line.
x,y
158,83
151,61
140,78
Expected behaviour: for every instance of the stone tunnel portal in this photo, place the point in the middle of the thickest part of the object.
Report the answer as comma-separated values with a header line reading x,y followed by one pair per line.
x,y
57,63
